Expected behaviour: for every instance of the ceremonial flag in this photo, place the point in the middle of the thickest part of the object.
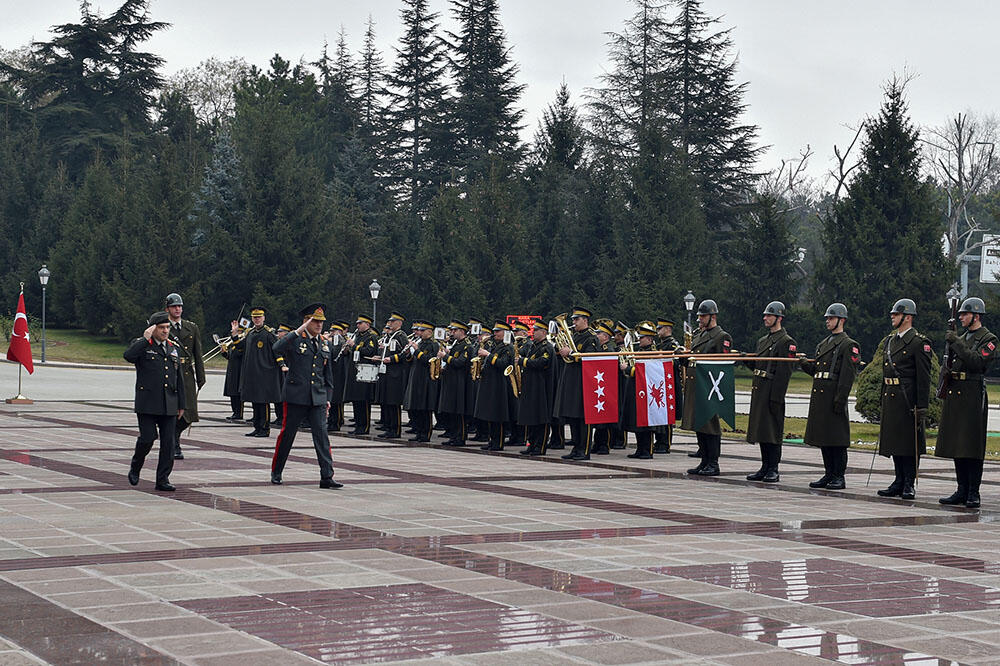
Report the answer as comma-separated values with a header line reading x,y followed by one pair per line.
x,y
715,392
655,393
20,346
600,389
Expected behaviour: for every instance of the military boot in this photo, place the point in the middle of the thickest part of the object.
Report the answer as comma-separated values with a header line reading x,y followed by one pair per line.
x,y
759,474
975,475
896,487
773,457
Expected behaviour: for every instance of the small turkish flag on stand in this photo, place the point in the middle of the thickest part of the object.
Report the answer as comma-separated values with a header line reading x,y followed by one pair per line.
x,y
600,389
20,348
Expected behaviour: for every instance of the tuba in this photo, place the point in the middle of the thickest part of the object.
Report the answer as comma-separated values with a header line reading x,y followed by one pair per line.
x,y
564,337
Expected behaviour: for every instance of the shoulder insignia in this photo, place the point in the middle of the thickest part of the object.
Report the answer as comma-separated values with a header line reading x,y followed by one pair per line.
x,y
855,350
991,346
791,348
725,343
927,348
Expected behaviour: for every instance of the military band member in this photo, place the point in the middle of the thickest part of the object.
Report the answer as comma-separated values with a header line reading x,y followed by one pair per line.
x,y
310,376
643,434
962,433
453,397
232,351
618,435
518,434
833,370
279,409
482,340
766,425
534,410
395,361
494,387
361,351
186,334
421,391
260,379
709,339
665,341
906,382
337,335
159,397
569,393
604,432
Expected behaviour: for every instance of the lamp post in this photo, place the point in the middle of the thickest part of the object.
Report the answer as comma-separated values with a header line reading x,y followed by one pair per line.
x,y
374,288
689,300
43,277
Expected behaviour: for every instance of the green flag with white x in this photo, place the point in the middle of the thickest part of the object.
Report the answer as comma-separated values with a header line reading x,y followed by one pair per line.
x,y
715,392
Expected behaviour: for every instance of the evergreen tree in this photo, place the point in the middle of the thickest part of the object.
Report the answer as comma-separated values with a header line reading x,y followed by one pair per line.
x,y
883,239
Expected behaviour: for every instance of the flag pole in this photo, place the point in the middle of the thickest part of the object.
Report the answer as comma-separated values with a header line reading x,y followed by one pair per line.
x,y
20,399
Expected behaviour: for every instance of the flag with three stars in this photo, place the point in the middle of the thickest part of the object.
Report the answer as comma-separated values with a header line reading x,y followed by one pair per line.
x,y
600,389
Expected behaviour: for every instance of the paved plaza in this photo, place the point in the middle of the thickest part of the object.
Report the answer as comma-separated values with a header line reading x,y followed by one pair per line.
x,y
431,555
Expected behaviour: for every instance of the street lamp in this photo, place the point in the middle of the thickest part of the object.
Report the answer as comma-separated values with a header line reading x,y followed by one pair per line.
x,y
374,288
689,300
43,277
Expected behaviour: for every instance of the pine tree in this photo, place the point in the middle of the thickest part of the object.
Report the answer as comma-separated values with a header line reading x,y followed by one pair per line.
x,y
883,239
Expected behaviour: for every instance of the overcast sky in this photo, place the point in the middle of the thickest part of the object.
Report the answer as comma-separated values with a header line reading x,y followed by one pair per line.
x,y
814,66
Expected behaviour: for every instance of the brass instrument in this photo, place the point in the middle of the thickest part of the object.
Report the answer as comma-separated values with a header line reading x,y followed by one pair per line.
x,y
513,373
434,368
223,344
476,365
630,347
564,337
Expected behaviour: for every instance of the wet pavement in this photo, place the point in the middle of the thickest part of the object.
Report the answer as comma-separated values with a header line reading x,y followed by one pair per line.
x,y
461,556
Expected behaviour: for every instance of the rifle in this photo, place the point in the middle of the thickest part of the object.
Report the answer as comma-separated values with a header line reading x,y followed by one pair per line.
x,y
944,377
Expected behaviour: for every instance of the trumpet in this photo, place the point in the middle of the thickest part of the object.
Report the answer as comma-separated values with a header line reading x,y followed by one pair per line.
x,y
564,337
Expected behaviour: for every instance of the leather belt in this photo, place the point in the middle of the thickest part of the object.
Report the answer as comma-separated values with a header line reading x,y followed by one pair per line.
x,y
891,381
823,375
965,375
763,373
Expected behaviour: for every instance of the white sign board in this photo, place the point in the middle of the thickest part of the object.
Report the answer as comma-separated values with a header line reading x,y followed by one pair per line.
x,y
989,268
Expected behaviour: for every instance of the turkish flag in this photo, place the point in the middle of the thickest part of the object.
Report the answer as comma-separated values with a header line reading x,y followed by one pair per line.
x,y
655,393
600,389
20,347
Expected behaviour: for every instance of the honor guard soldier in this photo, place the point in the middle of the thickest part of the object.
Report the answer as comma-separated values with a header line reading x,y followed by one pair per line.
x,y
359,389
159,397
187,336
260,380
395,361
906,388
833,370
569,392
665,341
494,387
232,351
604,331
310,376
534,408
766,425
710,339
643,434
279,410
422,391
962,432
453,397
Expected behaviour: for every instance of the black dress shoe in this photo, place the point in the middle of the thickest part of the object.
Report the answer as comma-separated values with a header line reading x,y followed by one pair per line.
x,y
252,434
957,497
836,483
133,478
330,483
696,470
233,418
569,456
386,435
358,432
178,455
710,469
973,501
529,452
661,449
756,476
558,445
276,479
694,454
640,456
821,482
908,492
165,487
895,489
581,457
771,476
263,433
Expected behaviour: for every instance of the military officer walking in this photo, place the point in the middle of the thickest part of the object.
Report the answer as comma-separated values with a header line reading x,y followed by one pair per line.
x,y
833,370
906,380
568,404
534,408
710,339
766,426
159,397
186,334
962,432
260,380
310,376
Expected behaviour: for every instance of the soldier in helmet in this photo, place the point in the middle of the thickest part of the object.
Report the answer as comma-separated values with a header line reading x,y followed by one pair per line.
x,y
710,339
833,370
186,334
906,381
766,425
962,433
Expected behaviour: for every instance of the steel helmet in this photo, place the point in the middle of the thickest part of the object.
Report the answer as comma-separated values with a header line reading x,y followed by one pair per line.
x,y
973,305
776,308
836,310
174,299
904,306
708,307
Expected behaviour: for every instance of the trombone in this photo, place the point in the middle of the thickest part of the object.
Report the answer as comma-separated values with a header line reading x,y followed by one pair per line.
x,y
223,345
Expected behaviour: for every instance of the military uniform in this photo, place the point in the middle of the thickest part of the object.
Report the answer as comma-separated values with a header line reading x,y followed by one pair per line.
x,y
964,414
664,435
421,396
453,397
643,434
394,381
260,379
159,394
335,419
706,341
534,409
361,394
494,389
569,392
828,426
310,376
233,353
518,433
188,338
766,425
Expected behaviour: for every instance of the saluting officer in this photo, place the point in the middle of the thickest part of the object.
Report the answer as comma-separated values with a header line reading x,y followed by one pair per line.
x,y
260,380
962,433
710,339
906,382
833,370
361,351
421,391
310,376
665,341
188,338
159,397
453,397
568,404
534,409
766,425
394,379
491,401
643,434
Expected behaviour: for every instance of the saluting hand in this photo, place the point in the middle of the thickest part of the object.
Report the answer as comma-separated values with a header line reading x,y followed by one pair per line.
x,y
148,333
234,327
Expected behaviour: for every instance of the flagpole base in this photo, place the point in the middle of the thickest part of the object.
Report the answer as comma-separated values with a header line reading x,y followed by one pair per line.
x,y
19,400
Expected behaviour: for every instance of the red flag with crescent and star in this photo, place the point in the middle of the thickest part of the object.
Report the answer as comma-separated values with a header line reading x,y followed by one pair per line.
x,y
20,346
600,389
